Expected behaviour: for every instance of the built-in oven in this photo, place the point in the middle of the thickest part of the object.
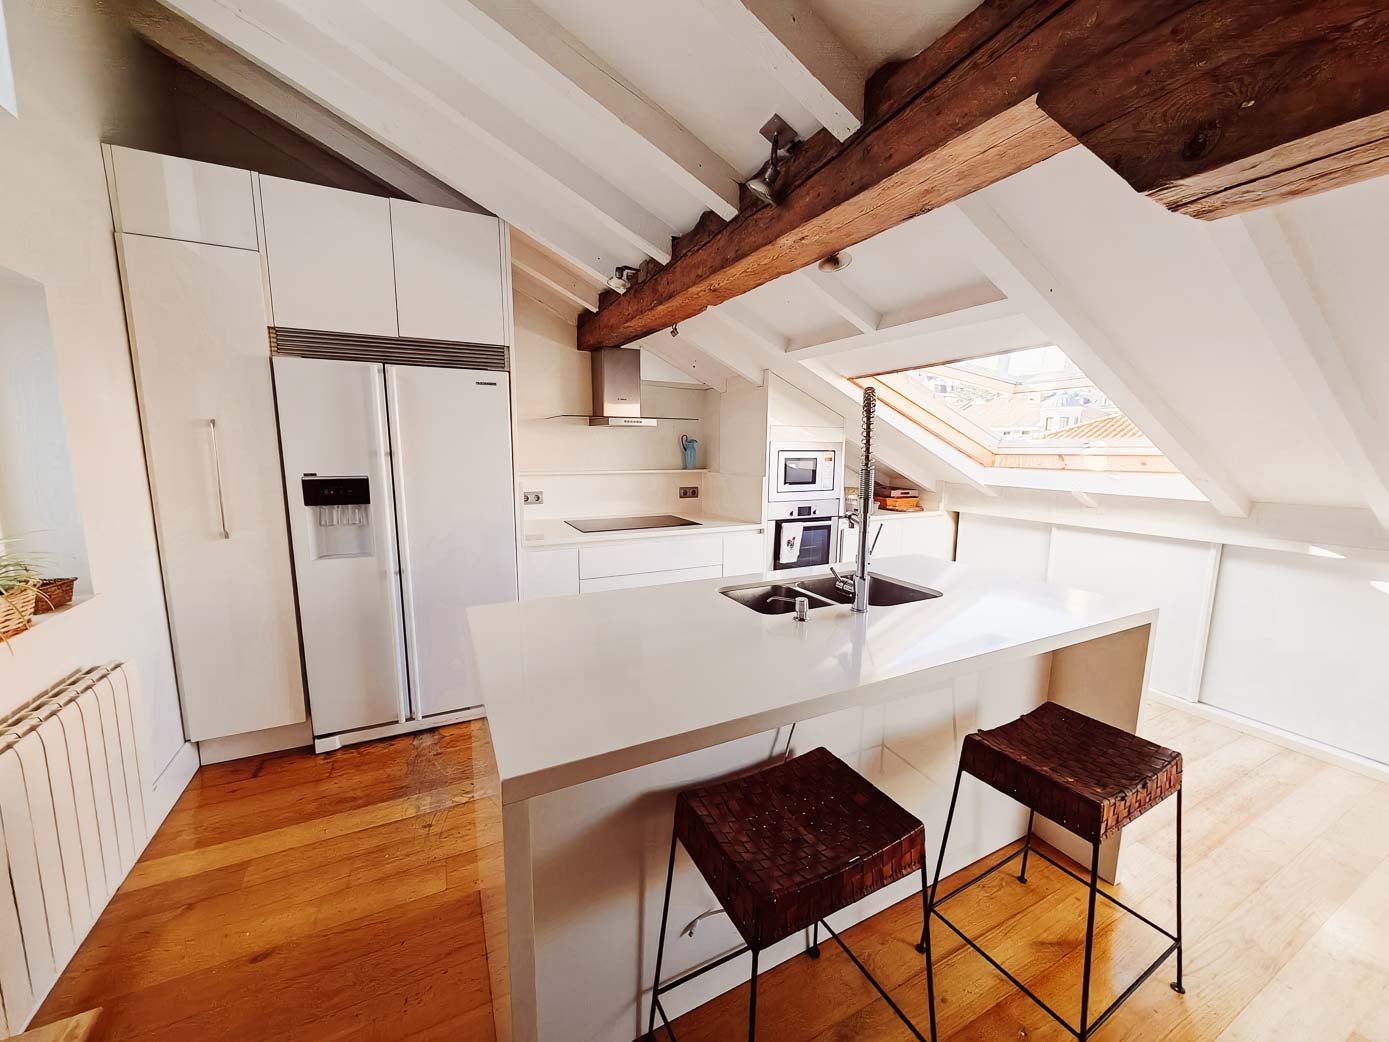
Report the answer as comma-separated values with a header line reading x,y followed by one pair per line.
x,y
805,470
805,535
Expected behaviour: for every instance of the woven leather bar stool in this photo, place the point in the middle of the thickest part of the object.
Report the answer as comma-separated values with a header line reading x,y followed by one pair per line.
x,y
785,847
1090,778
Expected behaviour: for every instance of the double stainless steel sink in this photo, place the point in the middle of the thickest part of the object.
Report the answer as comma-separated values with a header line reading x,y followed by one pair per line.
x,y
780,598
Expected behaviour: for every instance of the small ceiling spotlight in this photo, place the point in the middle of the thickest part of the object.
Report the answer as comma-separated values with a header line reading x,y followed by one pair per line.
x,y
835,262
763,184
621,280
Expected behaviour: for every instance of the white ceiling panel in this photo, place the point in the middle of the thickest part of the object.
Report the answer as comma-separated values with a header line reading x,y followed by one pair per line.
x,y
677,55
915,268
880,31
1156,285
796,310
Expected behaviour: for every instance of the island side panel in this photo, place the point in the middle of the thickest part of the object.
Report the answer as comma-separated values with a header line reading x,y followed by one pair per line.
x,y
599,852
1106,679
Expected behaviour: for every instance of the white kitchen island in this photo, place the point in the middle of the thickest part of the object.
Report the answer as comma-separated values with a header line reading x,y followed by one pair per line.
x,y
601,708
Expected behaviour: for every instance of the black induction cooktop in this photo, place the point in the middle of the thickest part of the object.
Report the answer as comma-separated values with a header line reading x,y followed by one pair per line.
x,y
629,524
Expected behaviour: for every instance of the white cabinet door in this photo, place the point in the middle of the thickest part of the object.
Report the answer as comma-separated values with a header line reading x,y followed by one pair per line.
x,y
180,199
549,573
650,555
448,274
329,257
744,553
197,325
457,524
630,582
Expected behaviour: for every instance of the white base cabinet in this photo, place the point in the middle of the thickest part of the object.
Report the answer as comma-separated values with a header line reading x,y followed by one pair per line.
x,y
640,562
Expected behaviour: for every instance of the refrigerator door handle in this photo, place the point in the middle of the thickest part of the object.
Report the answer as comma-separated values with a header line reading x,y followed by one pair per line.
x,y
399,454
391,530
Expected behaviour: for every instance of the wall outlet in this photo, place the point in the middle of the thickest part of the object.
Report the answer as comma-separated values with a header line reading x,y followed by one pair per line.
x,y
689,491
532,499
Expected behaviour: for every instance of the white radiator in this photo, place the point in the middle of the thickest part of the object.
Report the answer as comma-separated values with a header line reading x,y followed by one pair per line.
x,y
72,823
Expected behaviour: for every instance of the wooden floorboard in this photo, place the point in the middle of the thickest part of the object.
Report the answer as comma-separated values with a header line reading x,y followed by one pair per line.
x,y
338,897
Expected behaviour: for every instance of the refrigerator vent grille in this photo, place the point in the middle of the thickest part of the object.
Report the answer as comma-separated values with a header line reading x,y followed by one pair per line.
x,y
362,347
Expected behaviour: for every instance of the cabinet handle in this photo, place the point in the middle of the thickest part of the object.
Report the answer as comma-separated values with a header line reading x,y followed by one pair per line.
x,y
217,473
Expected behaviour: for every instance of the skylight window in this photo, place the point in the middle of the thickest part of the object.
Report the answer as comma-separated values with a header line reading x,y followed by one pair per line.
x,y
1032,409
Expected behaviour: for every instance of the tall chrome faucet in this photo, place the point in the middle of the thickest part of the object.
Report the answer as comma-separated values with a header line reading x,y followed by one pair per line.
x,y
865,499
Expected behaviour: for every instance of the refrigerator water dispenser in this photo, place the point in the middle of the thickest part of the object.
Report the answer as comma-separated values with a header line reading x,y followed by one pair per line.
x,y
341,509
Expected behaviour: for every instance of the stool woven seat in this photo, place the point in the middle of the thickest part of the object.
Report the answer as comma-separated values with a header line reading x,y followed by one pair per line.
x,y
1088,777
787,846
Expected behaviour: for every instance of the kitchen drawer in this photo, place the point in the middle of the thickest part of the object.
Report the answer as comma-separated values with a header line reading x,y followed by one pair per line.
x,y
651,555
549,573
627,582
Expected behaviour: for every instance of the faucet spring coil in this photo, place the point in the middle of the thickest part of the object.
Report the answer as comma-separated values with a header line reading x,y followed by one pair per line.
x,y
870,413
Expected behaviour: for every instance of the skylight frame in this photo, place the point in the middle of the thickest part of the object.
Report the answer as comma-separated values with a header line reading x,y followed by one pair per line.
x,y
932,413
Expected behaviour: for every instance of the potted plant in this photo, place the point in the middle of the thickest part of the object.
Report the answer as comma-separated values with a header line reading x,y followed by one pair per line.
x,y
19,586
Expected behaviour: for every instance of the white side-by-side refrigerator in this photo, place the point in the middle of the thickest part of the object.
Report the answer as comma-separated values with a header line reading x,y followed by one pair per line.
x,y
402,516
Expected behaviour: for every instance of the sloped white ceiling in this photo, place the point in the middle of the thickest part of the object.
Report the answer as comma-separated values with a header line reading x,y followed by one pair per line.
x,y
601,129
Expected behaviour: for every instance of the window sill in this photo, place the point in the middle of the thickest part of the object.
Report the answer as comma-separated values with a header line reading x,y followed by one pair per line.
x,y
48,618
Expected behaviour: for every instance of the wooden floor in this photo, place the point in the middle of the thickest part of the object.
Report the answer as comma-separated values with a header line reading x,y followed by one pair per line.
x,y
336,897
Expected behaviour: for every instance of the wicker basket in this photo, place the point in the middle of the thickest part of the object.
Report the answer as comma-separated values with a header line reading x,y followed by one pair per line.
x,y
53,594
16,610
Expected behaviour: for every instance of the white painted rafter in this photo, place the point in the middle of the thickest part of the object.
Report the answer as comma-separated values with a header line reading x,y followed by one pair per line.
x,y
532,37
996,311
1275,284
294,49
802,53
530,257
996,250
402,45
840,299
717,341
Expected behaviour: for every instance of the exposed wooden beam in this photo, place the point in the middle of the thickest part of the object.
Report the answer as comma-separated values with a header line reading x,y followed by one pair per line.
x,y
1274,281
1188,99
1008,263
793,43
530,36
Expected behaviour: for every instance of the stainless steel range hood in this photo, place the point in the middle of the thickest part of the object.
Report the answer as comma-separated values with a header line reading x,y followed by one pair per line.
x,y
617,389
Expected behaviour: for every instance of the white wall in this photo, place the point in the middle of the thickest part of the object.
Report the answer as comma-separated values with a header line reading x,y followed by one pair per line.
x,y
38,503
1299,642
553,377
1284,637
81,79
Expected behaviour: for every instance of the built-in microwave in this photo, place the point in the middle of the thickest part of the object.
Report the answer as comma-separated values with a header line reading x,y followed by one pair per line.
x,y
805,470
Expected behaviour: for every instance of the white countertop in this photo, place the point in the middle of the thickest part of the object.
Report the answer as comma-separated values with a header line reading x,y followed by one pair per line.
x,y
583,687
553,533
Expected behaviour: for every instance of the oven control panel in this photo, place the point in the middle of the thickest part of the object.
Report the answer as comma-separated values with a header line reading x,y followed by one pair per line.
x,y
820,508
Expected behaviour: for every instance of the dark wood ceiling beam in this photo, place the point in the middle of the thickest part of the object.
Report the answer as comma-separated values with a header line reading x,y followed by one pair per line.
x,y
1210,106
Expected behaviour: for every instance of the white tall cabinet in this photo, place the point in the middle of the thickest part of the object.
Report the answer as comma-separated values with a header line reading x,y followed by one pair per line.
x,y
197,322
213,256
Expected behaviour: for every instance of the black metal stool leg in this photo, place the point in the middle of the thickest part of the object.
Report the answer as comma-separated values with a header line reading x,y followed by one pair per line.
x,y
1027,846
926,940
752,1001
814,950
1089,945
1177,985
661,944
945,837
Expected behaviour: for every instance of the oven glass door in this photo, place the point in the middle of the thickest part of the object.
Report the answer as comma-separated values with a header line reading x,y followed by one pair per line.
x,y
817,545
